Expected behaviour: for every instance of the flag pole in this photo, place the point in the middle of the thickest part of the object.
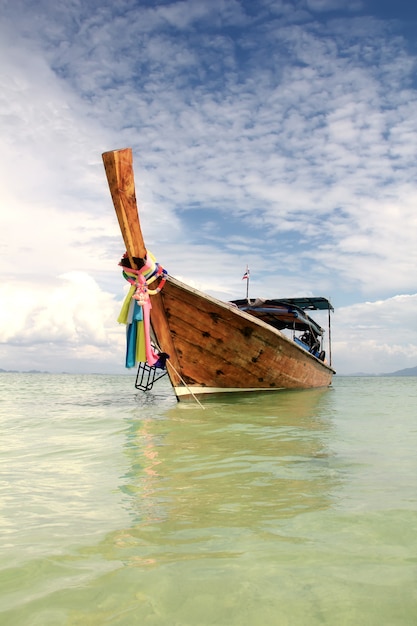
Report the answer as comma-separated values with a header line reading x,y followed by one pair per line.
x,y
246,277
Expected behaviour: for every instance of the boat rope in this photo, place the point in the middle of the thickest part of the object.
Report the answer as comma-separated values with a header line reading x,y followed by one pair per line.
x,y
141,279
186,386
135,312
183,381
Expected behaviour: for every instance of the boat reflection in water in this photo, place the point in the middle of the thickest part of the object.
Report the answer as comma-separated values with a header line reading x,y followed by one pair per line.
x,y
199,477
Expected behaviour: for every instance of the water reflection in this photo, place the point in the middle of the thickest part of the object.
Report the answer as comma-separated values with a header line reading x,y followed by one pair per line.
x,y
199,477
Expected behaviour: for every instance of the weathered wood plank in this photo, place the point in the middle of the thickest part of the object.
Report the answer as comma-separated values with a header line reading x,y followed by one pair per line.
x,y
119,170
217,346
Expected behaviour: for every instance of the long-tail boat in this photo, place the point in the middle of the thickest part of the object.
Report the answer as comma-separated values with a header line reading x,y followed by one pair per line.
x,y
205,345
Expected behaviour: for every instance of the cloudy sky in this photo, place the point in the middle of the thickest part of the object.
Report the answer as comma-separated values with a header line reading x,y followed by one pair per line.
x,y
281,134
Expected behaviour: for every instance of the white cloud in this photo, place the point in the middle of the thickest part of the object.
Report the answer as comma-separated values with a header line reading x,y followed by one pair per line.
x,y
72,316
334,5
376,337
286,143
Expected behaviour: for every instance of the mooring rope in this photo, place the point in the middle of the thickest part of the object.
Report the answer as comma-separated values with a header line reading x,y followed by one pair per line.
x,y
186,386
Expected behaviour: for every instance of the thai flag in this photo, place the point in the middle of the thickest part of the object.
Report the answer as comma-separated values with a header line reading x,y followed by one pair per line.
x,y
246,274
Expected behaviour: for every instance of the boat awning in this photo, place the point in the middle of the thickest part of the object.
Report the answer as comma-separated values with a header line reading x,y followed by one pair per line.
x,y
288,313
312,304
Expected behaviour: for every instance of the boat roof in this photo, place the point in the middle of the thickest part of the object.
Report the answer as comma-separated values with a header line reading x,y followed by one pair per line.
x,y
286,313
311,303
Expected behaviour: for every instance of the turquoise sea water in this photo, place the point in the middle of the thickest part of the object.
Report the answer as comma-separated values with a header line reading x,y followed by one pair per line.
x,y
290,508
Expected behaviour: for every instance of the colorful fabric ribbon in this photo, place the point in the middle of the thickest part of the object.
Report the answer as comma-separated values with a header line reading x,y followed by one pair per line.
x,y
135,311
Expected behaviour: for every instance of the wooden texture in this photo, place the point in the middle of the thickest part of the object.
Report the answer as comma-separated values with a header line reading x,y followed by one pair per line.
x,y
216,345
165,338
119,170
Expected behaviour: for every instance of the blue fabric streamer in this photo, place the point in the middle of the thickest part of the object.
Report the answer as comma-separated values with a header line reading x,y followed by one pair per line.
x,y
137,313
131,336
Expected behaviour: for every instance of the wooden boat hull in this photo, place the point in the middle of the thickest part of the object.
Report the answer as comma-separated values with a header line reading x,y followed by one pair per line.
x,y
214,347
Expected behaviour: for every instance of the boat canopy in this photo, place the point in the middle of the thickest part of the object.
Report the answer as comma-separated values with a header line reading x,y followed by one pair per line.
x,y
313,304
286,313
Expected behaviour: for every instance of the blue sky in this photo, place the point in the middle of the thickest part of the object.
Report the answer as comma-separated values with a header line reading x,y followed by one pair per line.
x,y
282,135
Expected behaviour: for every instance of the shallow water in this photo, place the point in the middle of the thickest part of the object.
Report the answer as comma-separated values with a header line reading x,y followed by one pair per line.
x,y
289,508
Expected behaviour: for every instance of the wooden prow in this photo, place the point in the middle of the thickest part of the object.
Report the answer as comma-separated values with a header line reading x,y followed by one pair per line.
x,y
119,170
